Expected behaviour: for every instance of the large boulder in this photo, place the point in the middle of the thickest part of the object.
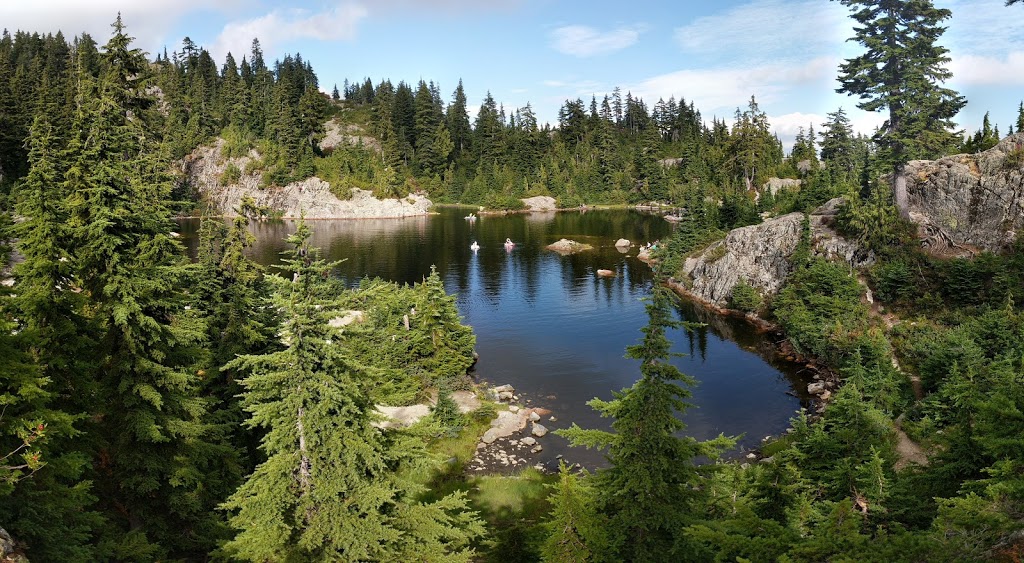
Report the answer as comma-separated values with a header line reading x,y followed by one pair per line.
x,y
761,254
969,202
540,203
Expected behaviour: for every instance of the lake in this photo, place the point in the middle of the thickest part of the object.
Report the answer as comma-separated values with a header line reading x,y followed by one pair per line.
x,y
547,325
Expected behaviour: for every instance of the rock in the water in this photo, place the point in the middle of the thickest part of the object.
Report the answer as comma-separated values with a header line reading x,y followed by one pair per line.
x,y
505,396
606,273
503,388
566,246
529,441
534,417
622,243
539,430
536,449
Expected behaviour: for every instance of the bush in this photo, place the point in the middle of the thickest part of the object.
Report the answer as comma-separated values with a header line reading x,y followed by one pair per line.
x,y
745,297
231,175
503,202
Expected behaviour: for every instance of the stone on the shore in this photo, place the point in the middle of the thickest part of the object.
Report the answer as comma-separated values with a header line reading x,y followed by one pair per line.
x,y
529,441
490,436
534,417
539,430
513,408
503,388
537,449
816,388
505,396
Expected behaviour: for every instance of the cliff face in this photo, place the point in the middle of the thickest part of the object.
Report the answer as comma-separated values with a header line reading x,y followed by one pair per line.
x,y
969,202
761,254
962,204
312,197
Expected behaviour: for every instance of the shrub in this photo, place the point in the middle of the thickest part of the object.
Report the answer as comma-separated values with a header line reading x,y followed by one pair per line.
x,y
231,175
745,297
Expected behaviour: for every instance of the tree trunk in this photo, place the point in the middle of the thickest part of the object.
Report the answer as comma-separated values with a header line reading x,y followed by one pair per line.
x,y
899,186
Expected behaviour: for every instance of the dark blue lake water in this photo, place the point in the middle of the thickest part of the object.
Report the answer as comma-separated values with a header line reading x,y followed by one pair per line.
x,y
547,325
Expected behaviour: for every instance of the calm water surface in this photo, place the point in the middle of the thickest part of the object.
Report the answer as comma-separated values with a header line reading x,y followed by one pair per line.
x,y
547,325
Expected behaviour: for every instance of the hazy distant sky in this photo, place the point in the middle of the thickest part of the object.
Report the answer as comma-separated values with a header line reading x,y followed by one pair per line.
x,y
716,54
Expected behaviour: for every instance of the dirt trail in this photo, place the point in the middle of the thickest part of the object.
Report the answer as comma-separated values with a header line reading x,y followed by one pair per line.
x,y
908,450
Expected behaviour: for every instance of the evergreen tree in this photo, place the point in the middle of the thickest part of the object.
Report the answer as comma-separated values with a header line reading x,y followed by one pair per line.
x,y
488,138
837,148
577,533
901,71
458,123
330,488
46,373
652,489
752,146
152,456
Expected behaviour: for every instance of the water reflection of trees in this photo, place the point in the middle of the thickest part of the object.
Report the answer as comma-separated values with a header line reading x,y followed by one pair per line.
x,y
403,250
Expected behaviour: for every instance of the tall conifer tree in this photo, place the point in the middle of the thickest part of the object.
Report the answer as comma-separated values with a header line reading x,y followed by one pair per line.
x,y
901,71
329,489
653,488
152,458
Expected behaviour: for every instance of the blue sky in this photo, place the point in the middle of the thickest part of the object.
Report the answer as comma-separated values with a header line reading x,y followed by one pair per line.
x,y
716,54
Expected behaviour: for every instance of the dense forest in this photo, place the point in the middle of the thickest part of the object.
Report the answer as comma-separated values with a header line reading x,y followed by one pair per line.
x,y
154,407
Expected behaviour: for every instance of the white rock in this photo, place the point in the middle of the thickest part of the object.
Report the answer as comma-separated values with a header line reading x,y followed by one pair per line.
x,y
816,388
513,408
537,449
534,417
539,430
622,242
505,396
529,441
490,436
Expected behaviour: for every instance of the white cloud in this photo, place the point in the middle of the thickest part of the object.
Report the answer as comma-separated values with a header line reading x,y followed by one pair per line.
x,y
281,26
149,21
720,91
978,70
584,41
768,30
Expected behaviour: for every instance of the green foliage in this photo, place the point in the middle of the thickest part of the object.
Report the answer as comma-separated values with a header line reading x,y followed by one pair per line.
x,y
652,489
745,297
329,488
576,531
901,71
436,349
231,175
820,310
